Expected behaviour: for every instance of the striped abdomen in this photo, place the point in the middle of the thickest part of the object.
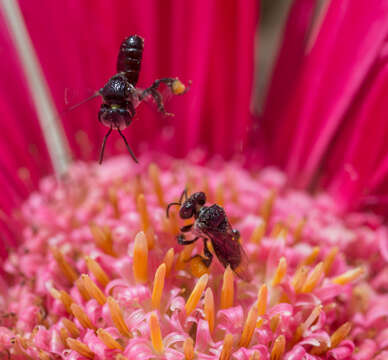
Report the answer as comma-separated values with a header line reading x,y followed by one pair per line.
x,y
129,59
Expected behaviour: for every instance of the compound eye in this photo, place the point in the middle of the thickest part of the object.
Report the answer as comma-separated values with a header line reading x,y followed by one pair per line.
x,y
201,198
187,210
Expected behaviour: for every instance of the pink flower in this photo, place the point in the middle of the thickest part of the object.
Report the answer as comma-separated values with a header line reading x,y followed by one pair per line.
x,y
95,270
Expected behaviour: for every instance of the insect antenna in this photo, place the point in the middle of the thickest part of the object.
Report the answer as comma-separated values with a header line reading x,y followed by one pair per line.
x,y
128,147
97,93
171,204
103,145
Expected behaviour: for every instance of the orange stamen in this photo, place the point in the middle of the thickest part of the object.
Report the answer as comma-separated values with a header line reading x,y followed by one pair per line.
x,y
278,348
154,174
108,340
280,271
156,335
188,348
349,276
157,290
80,348
82,317
93,290
262,300
117,317
169,260
97,271
227,347
249,327
258,233
313,278
143,212
66,268
196,294
227,291
140,258
209,308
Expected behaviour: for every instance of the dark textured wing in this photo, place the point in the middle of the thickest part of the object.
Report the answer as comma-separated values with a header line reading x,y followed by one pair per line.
x,y
230,252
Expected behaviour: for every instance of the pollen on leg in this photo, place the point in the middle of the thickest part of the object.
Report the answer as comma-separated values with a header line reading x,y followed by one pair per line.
x,y
349,276
156,334
227,347
313,278
197,267
82,317
143,212
209,308
117,317
157,290
278,348
93,290
80,348
262,300
196,294
108,340
154,174
69,272
178,87
140,258
249,327
280,271
227,291
97,271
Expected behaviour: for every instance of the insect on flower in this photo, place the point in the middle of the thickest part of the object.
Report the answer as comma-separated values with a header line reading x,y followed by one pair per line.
x,y
120,95
211,223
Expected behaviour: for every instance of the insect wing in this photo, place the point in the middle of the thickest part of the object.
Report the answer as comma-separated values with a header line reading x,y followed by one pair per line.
x,y
230,252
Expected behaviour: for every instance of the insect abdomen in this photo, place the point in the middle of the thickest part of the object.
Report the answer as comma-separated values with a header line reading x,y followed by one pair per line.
x,y
130,56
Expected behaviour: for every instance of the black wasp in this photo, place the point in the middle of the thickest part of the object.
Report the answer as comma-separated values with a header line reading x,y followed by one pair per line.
x,y
120,96
211,223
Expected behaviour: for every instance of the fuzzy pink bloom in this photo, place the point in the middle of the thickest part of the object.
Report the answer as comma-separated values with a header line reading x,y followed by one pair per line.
x,y
325,311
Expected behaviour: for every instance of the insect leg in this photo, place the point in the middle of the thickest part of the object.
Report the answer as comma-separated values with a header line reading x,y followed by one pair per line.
x,y
186,228
127,145
236,234
208,258
182,241
184,194
103,145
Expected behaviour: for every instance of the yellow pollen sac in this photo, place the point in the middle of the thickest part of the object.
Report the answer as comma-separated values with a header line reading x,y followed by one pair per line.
x,y
103,238
142,209
300,278
154,174
274,322
108,340
169,260
93,290
313,278
82,317
209,308
299,230
255,356
220,196
267,206
340,334
258,233
67,300
280,271
150,235
329,259
79,283
188,348
65,267
140,258
156,335
262,300
157,290
80,348
309,260
117,317
198,268
249,327
227,347
178,87
71,327
113,199
278,348
349,276
97,271
196,294
227,291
